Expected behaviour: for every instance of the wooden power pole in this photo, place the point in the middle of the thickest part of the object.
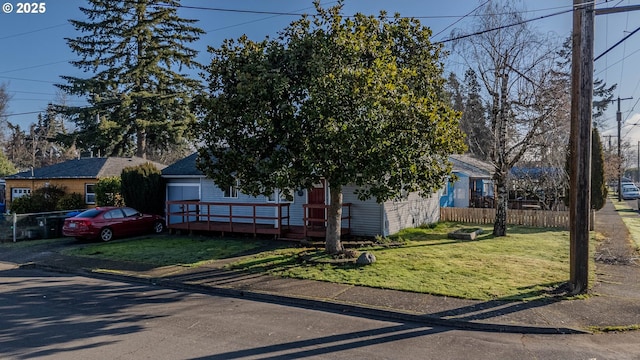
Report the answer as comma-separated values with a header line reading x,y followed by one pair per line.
x,y
580,142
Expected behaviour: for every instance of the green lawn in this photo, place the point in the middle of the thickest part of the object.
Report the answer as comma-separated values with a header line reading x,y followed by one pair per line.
x,y
630,218
525,265
168,250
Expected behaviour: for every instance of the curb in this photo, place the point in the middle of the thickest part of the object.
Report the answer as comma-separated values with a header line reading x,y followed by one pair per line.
x,y
312,303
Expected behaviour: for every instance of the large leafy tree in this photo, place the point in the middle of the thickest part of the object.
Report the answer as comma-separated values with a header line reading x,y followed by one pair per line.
x,y
138,91
356,100
6,166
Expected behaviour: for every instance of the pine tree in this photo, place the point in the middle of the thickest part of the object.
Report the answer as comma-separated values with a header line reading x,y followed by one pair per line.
x,y
474,120
598,181
138,95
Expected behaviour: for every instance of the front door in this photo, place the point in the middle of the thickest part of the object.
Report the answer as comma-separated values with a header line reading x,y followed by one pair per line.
x,y
317,197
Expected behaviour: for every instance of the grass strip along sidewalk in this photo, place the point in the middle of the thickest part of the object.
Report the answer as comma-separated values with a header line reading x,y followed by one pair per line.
x,y
631,219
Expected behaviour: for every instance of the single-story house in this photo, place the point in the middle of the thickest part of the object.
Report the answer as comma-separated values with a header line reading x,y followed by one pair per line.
x,y
77,175
195,202
474,186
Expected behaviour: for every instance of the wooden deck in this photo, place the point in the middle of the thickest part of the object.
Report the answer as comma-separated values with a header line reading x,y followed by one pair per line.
x,y
232,218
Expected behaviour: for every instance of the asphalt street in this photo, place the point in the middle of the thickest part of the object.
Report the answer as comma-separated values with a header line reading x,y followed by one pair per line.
x,y
60,316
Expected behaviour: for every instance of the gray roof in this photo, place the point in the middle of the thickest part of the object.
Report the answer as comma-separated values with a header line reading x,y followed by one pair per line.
x,y
92,168
184,167
471,166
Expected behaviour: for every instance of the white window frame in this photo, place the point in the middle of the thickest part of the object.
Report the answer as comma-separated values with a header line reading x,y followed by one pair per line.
x,y
20,192
88,194
231,192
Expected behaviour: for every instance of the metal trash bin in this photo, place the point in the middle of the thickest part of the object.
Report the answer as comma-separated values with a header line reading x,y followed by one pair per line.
x,y
51,226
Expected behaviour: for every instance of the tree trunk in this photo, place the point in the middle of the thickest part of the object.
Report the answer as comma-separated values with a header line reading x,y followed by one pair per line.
x,y
502,201
333,245
141,145
500,155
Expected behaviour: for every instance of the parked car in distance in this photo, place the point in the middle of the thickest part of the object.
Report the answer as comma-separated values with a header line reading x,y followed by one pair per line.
x,y
105,223
630,192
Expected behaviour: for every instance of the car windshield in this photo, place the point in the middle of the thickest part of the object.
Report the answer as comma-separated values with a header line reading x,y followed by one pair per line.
x,y
91,213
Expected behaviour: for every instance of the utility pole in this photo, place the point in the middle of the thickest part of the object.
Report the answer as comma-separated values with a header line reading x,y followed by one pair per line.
x,y
638,168
619,119
580,140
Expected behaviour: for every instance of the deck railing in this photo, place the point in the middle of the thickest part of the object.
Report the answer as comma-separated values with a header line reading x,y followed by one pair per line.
x,y
227,217
314,224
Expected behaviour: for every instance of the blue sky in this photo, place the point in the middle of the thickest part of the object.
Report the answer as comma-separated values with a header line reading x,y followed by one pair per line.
x,y
34,53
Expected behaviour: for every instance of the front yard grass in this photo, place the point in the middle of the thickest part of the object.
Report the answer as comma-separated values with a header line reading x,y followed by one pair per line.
x,y
527,264
190,251
524,265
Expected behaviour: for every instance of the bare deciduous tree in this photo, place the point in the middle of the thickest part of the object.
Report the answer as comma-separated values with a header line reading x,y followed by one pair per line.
x,y
513,63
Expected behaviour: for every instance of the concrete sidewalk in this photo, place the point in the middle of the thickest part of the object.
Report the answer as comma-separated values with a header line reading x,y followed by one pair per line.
x,y
615,304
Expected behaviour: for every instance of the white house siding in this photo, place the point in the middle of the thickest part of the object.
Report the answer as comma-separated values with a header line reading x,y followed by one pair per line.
x,y
413,212
366,215
212,193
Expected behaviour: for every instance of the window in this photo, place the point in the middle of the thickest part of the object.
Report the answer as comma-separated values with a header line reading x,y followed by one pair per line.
x,y
231,191
114,214
89,194
129,212
19,192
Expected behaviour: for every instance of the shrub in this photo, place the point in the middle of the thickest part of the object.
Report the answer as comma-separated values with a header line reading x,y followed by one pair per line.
x,y
142,188
22,205
71,201
108,192
41,200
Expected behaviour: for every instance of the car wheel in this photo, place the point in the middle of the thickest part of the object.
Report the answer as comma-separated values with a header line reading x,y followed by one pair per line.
x,y
106,234
158,227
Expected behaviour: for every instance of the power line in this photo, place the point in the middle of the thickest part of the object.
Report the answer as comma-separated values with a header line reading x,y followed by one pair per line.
x,y
457,21
502,27
32,31
35,66
23,79
280,13
616,44
615,63
258,20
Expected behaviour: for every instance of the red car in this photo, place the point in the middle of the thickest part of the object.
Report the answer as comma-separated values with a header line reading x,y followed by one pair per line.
x,y
108,222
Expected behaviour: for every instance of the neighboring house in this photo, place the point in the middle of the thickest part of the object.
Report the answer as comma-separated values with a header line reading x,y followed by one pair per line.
x,y
76,176
195,202
474,186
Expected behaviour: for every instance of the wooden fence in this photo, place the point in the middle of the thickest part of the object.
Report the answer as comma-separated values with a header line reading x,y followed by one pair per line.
x,y
535,218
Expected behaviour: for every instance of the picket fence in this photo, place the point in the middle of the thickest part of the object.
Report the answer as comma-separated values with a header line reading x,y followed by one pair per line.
x,y
535,218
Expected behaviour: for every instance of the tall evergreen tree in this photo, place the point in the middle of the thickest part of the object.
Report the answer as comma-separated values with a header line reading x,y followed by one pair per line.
x,y
474,119
598,181
138,94
16,147
453,90
4,100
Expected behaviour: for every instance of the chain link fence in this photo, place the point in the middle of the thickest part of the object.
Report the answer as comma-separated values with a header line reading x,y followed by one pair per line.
x,y
44,225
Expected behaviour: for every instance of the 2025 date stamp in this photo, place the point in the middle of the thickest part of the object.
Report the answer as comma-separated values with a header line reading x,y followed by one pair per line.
x,y
24,8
